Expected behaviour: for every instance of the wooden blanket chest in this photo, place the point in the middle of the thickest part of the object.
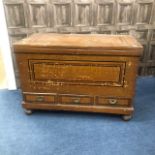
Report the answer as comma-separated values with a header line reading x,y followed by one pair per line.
x,y
76,72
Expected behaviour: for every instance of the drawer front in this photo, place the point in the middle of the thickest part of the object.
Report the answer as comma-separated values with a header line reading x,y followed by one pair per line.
x,y
75,100
112,101
40,98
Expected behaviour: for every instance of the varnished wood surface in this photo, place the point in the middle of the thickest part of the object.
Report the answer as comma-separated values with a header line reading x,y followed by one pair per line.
x,y
80,108
74,81
118,81
78,41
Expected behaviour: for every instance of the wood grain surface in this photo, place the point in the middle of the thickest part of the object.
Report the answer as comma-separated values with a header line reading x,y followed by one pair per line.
x,y
99,78
80,41
80,44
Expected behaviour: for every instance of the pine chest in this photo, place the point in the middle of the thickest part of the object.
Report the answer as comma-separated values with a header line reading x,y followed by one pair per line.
x,y
75,72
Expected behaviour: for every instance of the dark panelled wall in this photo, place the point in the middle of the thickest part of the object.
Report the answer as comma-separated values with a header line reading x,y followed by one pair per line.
x,y
135,17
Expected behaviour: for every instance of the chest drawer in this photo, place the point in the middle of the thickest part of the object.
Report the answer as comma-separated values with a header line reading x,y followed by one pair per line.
x,y
112,101
75,99
39,98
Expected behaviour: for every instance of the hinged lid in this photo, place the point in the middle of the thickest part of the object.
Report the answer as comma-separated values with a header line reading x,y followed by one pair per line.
x,y
80,44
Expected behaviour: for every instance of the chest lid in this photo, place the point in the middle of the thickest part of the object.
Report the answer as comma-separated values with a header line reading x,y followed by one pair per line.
x,y
96,44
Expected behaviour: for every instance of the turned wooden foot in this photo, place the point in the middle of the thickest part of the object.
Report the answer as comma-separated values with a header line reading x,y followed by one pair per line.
x,y
126,117
28,112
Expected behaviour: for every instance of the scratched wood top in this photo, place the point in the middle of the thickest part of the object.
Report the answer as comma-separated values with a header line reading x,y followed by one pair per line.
x,y
78,41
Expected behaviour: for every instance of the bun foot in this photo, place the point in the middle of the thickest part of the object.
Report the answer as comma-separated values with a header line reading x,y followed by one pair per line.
x,y
126,117
28,112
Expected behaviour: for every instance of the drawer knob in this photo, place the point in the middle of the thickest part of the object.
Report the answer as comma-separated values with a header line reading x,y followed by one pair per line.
x,y
112,101
76,100
39,98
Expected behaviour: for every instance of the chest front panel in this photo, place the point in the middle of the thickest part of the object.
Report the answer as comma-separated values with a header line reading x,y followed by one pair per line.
x,y
78,74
